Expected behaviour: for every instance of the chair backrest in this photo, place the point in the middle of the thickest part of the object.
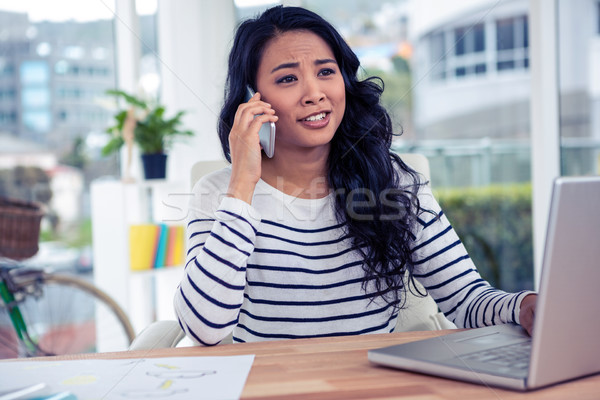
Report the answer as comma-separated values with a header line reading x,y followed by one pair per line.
x,y
201,168
420,313
418,162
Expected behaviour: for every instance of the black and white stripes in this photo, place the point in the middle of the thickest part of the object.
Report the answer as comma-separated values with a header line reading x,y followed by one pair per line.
x,y
283,268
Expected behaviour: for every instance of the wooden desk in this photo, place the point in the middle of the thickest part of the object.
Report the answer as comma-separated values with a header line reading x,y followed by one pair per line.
x,y
337,368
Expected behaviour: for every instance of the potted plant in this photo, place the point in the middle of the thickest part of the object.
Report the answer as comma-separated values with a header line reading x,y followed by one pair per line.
x,y
144,123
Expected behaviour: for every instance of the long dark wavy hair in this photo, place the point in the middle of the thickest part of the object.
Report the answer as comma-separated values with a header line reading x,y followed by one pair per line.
x,y
378,207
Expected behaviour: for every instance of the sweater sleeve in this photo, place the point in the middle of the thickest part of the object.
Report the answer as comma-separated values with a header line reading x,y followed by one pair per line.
x,y
209,297
445,269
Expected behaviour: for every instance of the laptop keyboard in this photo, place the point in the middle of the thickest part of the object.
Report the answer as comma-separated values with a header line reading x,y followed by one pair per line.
x,y
514,356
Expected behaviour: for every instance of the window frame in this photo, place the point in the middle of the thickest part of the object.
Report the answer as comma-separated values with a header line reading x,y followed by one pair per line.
x,y
545,128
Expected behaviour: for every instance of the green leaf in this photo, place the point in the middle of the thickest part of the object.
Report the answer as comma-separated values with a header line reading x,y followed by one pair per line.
x,y
153,133
113,145
134,101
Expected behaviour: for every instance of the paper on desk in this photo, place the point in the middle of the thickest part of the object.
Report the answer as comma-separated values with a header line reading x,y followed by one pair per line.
x,y
173,377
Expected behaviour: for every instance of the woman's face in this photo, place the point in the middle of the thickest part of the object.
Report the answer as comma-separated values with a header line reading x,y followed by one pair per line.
x,y
299,77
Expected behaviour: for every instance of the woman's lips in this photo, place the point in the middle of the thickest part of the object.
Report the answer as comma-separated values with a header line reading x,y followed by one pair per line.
x,y
316,121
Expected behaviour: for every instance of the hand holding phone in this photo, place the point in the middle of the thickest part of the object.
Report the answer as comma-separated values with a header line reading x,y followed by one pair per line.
x,y
267,130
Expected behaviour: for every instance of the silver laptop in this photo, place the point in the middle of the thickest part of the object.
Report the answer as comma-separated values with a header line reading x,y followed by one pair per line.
x,y
565,343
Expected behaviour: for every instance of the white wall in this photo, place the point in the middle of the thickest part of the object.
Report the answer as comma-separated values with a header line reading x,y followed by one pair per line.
x,y
194,38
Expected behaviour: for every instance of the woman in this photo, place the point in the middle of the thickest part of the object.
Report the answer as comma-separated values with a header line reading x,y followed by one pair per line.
x,y
326,237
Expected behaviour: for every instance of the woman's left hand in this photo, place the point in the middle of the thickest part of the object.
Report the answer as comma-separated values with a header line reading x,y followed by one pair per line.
x,y
527,312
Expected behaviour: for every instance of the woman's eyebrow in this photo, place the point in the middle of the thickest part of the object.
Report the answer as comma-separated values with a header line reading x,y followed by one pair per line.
x,y
296,64
325,61
285,65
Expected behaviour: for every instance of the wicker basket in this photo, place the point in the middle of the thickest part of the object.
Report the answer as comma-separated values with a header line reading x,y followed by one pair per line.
x,y
19,228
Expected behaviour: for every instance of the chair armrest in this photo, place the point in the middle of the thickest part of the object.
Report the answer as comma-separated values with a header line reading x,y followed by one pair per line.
x,y
441,322
159,334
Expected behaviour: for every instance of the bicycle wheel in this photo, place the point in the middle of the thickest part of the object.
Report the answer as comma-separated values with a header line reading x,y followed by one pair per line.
x,y
67,315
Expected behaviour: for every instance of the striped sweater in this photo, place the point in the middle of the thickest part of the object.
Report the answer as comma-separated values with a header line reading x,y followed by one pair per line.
x,y
282,268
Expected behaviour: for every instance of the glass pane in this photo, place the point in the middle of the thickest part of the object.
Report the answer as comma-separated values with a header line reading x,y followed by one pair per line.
x,y
479,37
437,55
525,32
475,132
56,62
459,39
149,64
505,34
579,66
472,123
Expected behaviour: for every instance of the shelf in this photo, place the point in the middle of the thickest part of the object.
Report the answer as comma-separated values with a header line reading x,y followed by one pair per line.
x,y
146,295
158,271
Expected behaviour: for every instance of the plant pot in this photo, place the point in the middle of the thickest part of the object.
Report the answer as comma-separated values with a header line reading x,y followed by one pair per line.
x,y
155,165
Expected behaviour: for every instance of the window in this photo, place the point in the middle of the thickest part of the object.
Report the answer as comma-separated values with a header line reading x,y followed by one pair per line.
x,y
6,70
8,117
438,56
469,56
74,52
7,94
473,125
579,87
61,67
43,49
100,53
34,72
469,40
35,97
469,50
39,96
37,121
512,43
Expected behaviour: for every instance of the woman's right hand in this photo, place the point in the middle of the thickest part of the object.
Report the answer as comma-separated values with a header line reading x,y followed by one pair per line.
x,y
244,147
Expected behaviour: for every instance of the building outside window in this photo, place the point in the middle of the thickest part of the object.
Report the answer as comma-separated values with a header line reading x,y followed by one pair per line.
x,y
469,50
512,43
437,56
472,122
55,65
462,51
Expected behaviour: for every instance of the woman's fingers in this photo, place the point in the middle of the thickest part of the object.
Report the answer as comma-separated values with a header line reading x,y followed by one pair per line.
x,y
244,146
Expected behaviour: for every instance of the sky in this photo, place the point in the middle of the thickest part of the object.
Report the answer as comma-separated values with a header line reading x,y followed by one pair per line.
x,y
87,10
79,10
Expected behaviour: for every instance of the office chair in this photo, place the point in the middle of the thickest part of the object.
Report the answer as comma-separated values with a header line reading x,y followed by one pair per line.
x,y
420,313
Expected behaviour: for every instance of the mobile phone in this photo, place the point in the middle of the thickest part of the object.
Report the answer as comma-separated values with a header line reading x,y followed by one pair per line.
x,y
267,130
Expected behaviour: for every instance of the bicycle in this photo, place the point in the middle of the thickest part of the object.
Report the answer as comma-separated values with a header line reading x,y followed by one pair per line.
x,y
45,313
